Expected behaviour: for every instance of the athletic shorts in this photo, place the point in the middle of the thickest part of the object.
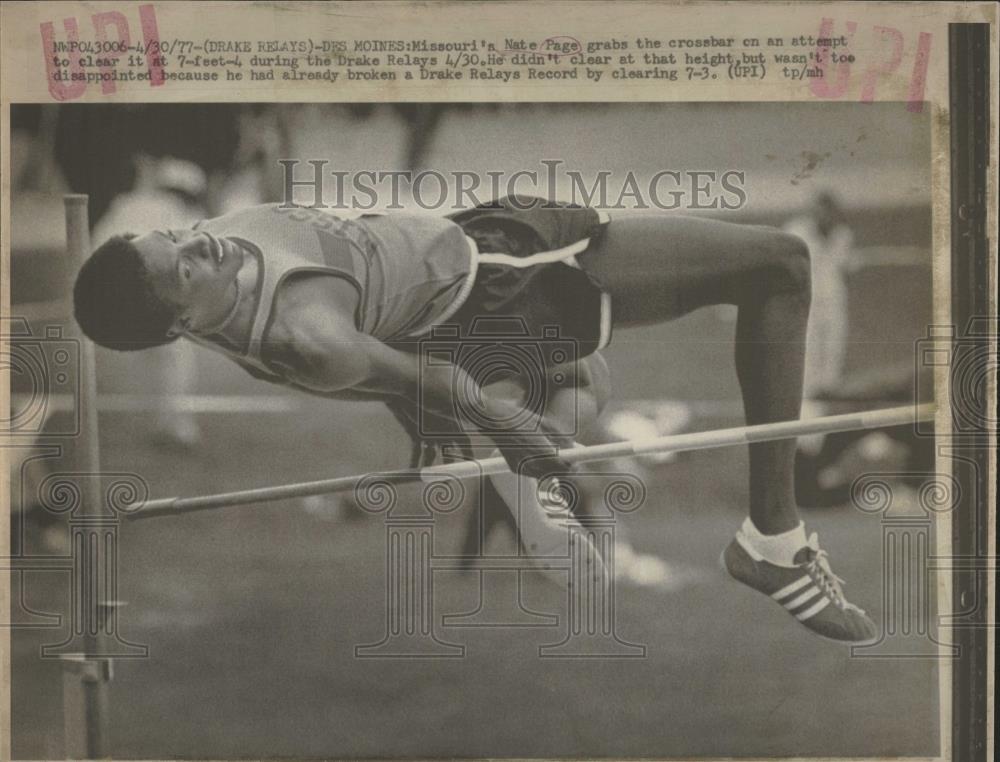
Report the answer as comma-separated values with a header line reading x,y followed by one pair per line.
x,y
527,280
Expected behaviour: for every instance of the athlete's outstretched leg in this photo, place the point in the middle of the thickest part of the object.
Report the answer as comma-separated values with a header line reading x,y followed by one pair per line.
x,y
658,268
543,526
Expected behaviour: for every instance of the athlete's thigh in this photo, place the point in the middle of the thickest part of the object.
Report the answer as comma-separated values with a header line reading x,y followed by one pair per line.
x,y
658,267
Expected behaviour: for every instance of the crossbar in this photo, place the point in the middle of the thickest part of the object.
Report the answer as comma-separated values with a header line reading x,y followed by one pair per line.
x,y
700,440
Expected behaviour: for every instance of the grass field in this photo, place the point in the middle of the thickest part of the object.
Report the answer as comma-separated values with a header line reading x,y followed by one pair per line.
x,y
252,615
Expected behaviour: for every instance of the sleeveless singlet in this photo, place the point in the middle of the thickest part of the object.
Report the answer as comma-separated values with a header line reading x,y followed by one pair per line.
x,y
410,271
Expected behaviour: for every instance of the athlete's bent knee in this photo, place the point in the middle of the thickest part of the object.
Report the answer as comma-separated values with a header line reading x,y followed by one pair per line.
x,y
793,261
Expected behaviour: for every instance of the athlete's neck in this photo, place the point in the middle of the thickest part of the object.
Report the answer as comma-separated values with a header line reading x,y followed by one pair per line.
x,y
234,328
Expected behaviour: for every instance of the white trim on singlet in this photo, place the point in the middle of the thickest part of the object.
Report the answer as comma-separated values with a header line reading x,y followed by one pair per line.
x,y
541,258
546,257
566,254
605,337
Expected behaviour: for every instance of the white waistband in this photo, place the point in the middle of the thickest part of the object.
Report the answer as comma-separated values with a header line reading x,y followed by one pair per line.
x,y
565,254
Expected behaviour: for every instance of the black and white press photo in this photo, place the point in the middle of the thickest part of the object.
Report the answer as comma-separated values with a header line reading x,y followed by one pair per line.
x,y
486,380
283,294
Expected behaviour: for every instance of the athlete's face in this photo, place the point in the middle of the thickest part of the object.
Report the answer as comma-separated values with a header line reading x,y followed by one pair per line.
x,y
194,271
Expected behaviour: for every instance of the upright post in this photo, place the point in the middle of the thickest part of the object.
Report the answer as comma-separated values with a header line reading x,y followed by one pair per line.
x,y
85,705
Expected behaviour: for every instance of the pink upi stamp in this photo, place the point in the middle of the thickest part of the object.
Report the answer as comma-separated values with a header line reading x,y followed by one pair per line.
x,y
889,50
72,64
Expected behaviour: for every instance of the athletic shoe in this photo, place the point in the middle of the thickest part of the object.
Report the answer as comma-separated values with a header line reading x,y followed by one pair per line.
x,y
809,590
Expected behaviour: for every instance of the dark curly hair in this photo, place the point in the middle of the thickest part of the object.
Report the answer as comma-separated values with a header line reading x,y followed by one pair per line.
x,y
114,302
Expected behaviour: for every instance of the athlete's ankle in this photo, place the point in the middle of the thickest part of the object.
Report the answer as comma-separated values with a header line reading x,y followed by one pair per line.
x,y
779,548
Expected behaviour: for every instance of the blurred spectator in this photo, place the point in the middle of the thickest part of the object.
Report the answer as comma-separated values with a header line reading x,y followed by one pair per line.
x,y
827,388
255,176
422,120
32,164
824,229
95,143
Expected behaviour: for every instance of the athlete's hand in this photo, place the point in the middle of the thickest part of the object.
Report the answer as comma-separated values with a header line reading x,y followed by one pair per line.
x,y
451,403
425,450
527,447
526,441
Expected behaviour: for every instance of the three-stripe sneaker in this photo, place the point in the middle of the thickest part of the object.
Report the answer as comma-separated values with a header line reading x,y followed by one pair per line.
x,y
808,590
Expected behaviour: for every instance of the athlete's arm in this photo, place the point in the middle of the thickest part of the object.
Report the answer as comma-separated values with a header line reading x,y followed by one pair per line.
x,y
448,392
320,349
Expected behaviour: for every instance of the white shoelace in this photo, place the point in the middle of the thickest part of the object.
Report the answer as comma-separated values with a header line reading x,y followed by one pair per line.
x,y
819,569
